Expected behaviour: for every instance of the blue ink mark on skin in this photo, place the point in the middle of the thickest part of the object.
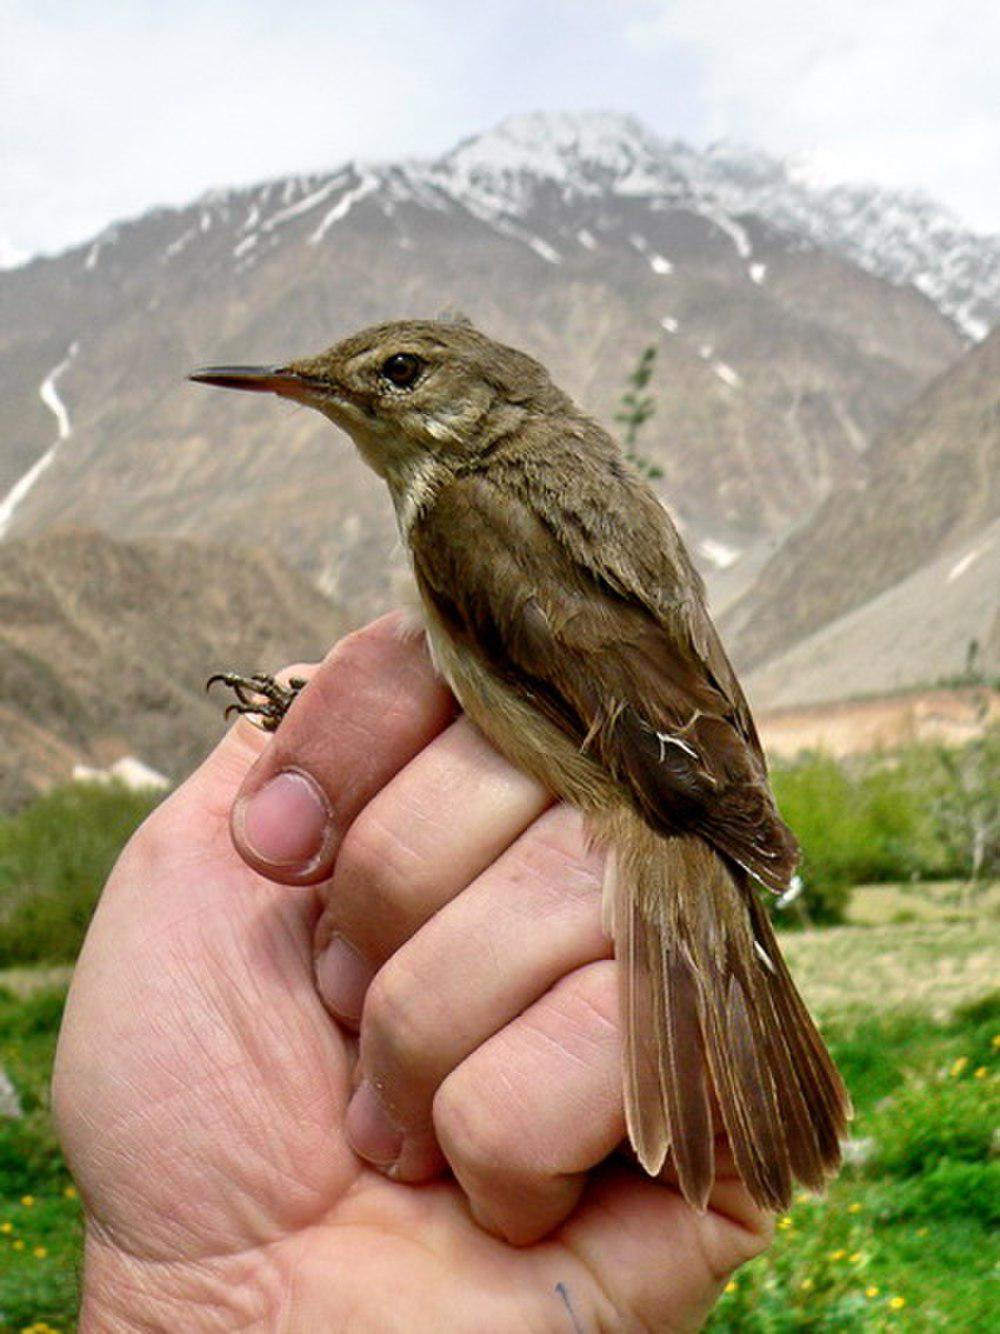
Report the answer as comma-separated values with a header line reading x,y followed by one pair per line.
x,y
563,1292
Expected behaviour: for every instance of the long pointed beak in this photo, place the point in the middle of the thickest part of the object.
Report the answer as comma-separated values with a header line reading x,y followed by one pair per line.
x,y
259,379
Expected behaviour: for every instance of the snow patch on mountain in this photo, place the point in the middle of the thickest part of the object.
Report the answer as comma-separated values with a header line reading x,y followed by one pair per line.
x,y
727,375
365,186
718,553
49,395
106,238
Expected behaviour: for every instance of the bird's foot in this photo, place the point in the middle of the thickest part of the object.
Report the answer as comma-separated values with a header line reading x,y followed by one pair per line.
x,y
259,698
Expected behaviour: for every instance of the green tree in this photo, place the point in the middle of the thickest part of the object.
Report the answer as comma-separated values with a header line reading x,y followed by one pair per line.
x,y
635,409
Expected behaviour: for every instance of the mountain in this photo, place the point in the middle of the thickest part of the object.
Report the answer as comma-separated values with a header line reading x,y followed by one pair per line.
x,y
105,648
916,529
792,325
940,623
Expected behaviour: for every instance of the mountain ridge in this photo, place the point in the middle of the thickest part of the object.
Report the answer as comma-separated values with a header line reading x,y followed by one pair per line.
x,y
927,499
902,235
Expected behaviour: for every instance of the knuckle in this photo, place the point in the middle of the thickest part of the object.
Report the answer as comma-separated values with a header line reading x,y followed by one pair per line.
x,y
396,1028
373,866
471,1129
587,1000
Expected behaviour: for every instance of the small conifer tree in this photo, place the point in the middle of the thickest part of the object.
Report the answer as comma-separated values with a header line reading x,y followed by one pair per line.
x,y
635,409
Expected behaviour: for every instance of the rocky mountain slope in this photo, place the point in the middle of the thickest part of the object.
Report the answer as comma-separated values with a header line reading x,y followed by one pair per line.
x,y
792,325
105,647
940,623
897,571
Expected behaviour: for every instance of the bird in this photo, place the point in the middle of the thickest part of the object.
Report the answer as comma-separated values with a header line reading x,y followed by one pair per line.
x,y
566,615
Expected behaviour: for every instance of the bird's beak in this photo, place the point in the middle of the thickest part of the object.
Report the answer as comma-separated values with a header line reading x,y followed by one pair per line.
x,y
261,379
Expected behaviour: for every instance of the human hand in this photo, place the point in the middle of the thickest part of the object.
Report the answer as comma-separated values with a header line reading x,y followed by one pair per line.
x,y
205,1095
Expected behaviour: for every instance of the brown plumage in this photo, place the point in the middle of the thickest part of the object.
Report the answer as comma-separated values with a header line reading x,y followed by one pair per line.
x,y
565,613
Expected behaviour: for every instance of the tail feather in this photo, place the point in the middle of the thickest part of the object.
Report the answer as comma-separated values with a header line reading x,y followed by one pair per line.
x,y
708,1002
641,1006
683,1077
755,1101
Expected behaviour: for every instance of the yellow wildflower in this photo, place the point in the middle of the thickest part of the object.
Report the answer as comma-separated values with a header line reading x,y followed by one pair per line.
x,y
996,1041
27,1201
979,1072
855,1259
871,1291
785,1224
40,1252
731,1286
6,1227
854,1208
959,1066
896,1303
921,1232
70,1192
837,1255
807,1285
18,1245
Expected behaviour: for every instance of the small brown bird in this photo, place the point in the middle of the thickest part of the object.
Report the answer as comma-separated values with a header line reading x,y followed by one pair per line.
x,y
566,615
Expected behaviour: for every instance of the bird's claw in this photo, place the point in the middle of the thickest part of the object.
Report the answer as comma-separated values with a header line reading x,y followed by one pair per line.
x,y
260,699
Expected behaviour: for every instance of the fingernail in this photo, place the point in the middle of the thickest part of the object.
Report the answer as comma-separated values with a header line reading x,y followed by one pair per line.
x,y
342,978
285,823
371,1131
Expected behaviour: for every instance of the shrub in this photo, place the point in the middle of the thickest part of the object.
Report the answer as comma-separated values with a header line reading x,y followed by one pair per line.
x,y
926,812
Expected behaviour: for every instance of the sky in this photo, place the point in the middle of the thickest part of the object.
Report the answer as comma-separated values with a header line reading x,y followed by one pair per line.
x,y
109,107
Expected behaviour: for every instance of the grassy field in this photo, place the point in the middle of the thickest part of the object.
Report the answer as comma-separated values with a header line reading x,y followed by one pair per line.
x,y
40,1230
903,1240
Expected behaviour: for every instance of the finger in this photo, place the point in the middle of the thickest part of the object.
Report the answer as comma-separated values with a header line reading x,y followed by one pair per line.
x,y
528,920
528,1116
523,1120
421,840
371,705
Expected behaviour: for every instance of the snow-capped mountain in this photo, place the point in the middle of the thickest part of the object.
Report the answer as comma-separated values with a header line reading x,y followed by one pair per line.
x,y
523,176
904,237
792,323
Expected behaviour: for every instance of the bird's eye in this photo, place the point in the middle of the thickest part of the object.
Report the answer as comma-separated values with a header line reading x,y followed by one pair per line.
x,y
402,369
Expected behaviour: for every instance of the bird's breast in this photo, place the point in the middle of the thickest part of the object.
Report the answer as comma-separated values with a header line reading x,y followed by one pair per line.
x,y
514,726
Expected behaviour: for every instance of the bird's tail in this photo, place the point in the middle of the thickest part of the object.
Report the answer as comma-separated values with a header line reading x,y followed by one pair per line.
x,y
708,1007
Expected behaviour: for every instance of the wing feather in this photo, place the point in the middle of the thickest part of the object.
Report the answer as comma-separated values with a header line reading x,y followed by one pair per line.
x,y
634,674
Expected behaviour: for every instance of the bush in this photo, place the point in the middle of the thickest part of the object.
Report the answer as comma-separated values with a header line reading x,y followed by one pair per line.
x,y
54,858
851,830
927,812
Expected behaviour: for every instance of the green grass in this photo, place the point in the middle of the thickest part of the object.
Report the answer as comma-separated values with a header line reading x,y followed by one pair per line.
x,y
905,1239
54,857
40,1229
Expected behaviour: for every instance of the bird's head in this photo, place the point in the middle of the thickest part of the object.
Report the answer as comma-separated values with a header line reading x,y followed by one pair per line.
x,y
416,396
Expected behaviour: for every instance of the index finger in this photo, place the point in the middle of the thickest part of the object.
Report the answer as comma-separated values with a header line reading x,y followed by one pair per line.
x,y
369,708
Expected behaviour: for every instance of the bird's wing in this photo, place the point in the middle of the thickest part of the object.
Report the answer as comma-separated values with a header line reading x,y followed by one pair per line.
x,y
635,675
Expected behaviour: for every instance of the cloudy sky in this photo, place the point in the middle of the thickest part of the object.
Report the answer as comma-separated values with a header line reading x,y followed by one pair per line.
x,y
108,107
